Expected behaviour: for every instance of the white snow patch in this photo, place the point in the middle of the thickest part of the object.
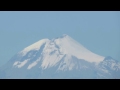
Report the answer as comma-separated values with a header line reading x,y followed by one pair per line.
x,y
104,70
20,64
67,64
49,59
33,64
35,46
16,63
113,64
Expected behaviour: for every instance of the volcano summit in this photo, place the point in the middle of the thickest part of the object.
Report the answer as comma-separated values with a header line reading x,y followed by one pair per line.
x,y
61,57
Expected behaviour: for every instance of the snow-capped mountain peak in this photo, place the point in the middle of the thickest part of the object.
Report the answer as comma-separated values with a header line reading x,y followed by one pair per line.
x,y
64,35
58,56
71,47
65,45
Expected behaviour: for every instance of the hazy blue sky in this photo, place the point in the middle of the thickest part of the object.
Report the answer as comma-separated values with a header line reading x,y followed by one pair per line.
x,y
98,31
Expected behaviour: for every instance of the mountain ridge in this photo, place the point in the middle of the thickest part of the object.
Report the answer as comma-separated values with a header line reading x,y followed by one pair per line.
x,y
61,57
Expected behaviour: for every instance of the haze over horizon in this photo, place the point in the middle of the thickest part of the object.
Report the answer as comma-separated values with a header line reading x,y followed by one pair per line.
x,y
98,31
